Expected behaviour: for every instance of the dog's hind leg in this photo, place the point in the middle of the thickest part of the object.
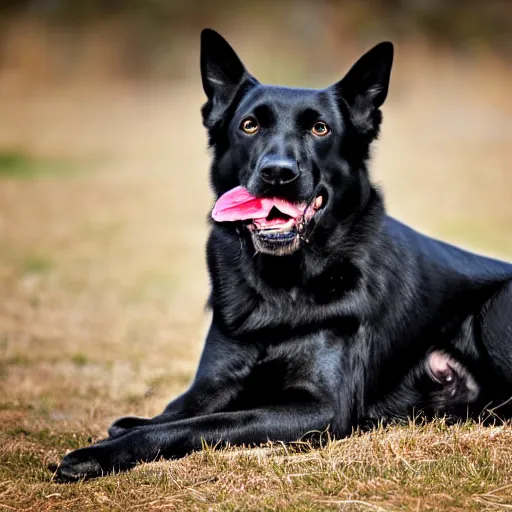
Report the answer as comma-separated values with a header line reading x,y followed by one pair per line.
x,y
494,323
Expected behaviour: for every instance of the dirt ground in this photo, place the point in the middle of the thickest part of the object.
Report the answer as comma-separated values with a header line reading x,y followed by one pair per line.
x,y
103,285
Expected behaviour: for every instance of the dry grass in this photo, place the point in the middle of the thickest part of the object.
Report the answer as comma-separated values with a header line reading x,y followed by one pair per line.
x,y
103,285
430,467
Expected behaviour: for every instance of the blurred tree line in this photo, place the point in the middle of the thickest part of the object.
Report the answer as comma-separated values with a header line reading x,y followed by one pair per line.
x,y
453,20
143,31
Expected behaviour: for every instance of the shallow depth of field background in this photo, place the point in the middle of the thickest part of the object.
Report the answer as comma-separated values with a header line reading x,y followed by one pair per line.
x,y
104,191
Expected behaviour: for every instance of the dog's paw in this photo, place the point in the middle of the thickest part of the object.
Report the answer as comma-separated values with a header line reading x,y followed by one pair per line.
x,y
124,425
74,471
82,464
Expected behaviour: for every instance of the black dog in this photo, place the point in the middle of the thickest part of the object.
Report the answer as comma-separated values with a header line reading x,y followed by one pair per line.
x,y
342,316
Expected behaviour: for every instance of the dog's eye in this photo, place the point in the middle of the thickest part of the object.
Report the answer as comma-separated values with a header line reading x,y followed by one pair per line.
x,y
320,129
250,126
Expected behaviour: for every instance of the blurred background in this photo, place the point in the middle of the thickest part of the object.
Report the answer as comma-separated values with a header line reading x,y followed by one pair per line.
x,y
103,175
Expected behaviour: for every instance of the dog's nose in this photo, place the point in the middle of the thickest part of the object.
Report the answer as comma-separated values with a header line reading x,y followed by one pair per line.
x,y
278,171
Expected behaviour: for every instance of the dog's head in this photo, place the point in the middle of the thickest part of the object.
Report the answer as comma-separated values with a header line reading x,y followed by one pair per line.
x,y
307,146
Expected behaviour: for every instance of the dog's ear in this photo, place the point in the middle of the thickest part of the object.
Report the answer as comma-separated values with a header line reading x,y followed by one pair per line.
x,y
365,87
222,73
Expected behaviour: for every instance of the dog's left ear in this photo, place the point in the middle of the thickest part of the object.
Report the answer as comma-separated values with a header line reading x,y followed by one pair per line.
x,y
365,87
223,75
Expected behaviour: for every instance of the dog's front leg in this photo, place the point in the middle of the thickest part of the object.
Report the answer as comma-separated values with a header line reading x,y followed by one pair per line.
x,y
224,365
171,440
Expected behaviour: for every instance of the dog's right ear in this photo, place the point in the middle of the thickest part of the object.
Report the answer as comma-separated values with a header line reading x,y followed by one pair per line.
x,y
222,73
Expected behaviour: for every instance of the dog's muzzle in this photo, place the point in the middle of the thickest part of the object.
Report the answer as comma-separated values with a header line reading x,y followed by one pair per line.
x,y
279,234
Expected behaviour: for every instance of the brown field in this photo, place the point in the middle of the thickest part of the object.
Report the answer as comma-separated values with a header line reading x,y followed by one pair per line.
x,y
103,205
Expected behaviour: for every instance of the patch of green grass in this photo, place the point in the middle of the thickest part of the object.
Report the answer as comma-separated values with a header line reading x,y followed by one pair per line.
x,y
80,359
18,360
19,164
37,265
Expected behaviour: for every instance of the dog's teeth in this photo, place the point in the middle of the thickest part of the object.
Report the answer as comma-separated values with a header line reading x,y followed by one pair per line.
x,y
318,202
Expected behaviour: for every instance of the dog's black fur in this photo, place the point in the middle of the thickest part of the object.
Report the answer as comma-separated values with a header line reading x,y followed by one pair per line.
x,y
337,323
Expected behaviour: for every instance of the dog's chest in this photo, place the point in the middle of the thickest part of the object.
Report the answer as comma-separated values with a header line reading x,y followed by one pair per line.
x,y
330,286
287,367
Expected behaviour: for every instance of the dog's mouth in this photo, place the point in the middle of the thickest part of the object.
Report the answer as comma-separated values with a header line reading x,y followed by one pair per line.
x,y
276,225
280,233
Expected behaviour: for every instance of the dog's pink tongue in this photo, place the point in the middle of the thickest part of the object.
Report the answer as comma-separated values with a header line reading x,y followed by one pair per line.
x,y
239,204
